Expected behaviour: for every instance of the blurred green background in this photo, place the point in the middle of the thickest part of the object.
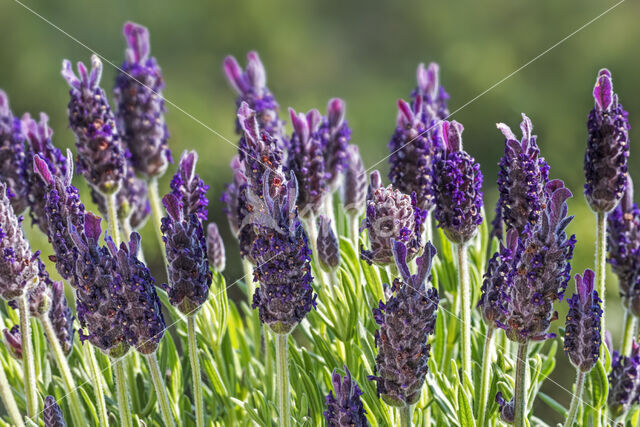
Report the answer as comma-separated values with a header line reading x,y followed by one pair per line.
x,y
364,52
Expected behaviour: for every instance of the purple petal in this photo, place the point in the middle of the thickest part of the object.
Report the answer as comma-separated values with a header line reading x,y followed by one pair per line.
x,y
336,112
233,72
69,75
424,263
4,103
173,206
400,256
603,91
405,111
255,71
247,118
137,38
40,167
92,226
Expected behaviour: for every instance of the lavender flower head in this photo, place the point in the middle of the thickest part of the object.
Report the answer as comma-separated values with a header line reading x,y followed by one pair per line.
x,y
413,154
140,105
521,179
186,249
391,215
344,409
101,158
251,86
188,187
18,265
432,93
327,245
354,195
406,320
306,159
215,248
605,160
13,164
582,336
52,414
335,134
624,381
282,255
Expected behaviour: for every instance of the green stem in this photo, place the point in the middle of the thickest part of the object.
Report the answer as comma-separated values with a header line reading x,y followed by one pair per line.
x,y
63,366
575,400
601,236
195,370
486,376
465,308
161,390
9,401
282,373
630,324
27,358
156,213
405,415
112,219
98,387
521,386
121,392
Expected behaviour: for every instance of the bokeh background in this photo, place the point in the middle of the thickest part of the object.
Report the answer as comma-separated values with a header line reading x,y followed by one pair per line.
x,y
365,52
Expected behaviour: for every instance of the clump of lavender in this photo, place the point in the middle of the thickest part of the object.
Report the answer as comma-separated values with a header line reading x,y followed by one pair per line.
x,y
52,414
458,187
186,249
101,157
605,160
335,134
251,86
282,256
13,164
187,186
433,95
391,215
327,245
624,381
521,179
140,105
306,160
215,248
406,320
413,154
354,195
344,409
582,331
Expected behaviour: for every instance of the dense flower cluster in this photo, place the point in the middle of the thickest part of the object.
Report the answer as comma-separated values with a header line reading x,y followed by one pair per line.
x,y
624,381
13,165
187,186
605,160
458,187
344,409
406,320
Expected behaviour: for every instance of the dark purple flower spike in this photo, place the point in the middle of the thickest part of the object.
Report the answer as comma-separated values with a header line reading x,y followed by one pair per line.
x,y
582,336
336,134
140,105
13,162
13,341
354,195
432,93
413,154
186,249
215,248
458,187
406,320
344,408
624,381
327,245
101,157
52,414
187,186
605,160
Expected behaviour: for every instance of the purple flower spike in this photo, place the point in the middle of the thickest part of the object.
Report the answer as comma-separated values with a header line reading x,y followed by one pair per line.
x,y
406,320
186,249
52,414
61,317
390,215
101,157
605,160
624,381
458,187
413,153
582,336
433,95
327,244
250,84
335,134
187,186
13,163
18,265
282,257
13,341
354,195
215,248
344,409
140,105
521,180
306,159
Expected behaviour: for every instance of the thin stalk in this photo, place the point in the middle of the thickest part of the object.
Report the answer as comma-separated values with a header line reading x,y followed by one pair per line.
x,y
486,376
575,400
121,392
63,366
156,214
282,373
354,231
9,401
161,390
601,237
195,370
630,324
405,415
521,387
98,386
112,212
465,308
428,228
27,359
